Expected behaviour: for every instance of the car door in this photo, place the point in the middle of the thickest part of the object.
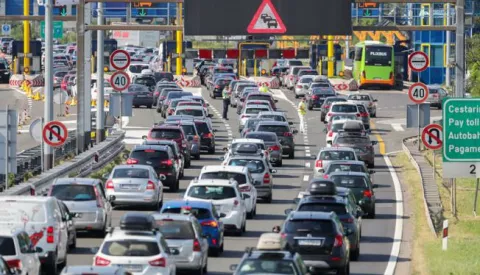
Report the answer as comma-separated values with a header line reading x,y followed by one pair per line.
x,y
70,224
107,207
204,241
62,225
29,254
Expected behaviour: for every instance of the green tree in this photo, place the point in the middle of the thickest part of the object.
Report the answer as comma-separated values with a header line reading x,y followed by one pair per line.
x,y
472,56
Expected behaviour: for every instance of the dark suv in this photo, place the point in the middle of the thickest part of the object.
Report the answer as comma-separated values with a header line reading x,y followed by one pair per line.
x,y
320,239
175,133
177,154
283,132
161,158
160,87
207,141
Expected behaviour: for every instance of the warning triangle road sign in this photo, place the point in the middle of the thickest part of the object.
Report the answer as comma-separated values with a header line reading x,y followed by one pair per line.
x,y
266,20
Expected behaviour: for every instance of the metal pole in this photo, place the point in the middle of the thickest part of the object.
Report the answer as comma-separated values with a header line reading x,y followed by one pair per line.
x,y
475,201
42,149
120,126
26,33
48,105
100,93
419,140
448,33
179,39
88,78
460,50
80,76
6,146
129,13
434,167
330,55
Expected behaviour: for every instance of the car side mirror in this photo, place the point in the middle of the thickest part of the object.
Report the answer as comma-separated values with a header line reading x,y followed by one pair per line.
x,y
162,177
125,156
295,132
290,123
210,115
296,200
111,198
233,267
208,104
375,186
275,100
314,157
288,211
144,137
371,172
223,215
276,229
375,100
374,142
273,171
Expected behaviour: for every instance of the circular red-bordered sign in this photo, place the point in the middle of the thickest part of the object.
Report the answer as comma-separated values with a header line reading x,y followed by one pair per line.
x,y
418,93
120,81
432,136
55,133
120,60
418,61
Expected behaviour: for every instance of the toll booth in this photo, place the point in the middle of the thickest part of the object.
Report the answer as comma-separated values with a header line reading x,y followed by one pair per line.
x,y
110,45
35,56
319,59
167,51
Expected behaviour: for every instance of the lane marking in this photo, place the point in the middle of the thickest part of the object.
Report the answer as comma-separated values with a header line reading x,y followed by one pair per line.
x,y
397,127
306,177
381,143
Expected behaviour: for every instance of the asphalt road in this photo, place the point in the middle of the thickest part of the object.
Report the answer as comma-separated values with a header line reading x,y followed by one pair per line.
x,y
378,234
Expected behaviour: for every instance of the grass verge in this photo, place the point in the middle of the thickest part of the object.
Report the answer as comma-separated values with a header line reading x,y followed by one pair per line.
x,y
461,256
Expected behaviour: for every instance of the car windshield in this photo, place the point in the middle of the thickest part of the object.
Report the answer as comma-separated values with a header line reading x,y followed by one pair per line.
x,y
190,103
266,266
344,108
176,230
306,80
206,192
136,69
166,133
350,181
163,76
199,213
252,111
251,145
147,81
279,129
241,88
307,73
222,70
73,192
153,156
259,97
274,117
338,208
264,137
131,248
305,227
190,112
135,173
7,246
238,177
323,92
22,212
361,109
341,167
378,56
337,155
254,166
177,95
223,82
202,127
359,97
320,85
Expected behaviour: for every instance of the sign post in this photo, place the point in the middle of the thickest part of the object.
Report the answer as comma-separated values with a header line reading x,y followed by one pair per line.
x,y
55,133
120,81
418,92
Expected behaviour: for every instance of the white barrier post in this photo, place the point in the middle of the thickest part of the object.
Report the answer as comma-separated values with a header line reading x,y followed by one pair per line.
x,y
445,235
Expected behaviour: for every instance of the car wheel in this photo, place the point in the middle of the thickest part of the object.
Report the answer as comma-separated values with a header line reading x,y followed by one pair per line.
x,y
322,118
188,163
310,107
205,268
371,215
73,245
174,186
211,150
244,227
371,165
213,96
52,267
344,270
102,232
269,198
355,253
251,214
280,163
296,96
292,154
197,157
149,106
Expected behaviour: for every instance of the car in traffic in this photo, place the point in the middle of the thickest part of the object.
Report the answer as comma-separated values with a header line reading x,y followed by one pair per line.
x,y
326,105
436,95
302,85
170,96
272,143
216,88
160,86
327,155
171,132
193,136
342,108
145,80
18,252
317,96
142,96
177,153
163,91
284,135
360,142
365,99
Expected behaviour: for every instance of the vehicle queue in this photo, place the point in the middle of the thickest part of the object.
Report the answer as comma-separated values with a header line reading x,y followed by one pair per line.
x,y
321,232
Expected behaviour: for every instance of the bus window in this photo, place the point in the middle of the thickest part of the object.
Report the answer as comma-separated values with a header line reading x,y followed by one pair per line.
x,y
358,54
378,56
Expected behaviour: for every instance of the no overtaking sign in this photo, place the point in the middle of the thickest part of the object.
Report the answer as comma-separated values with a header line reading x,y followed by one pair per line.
x,y
418,61
120,60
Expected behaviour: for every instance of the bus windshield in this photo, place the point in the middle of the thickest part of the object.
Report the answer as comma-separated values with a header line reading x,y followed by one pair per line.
x,y
378,56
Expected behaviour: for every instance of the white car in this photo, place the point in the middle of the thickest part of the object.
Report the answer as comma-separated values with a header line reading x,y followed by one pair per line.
x,y
230,149
302,85
107,90
274,115
333,131
135,69
226,197
97,270
19,252
252,111
136,246
367,100
341,108
42,219
239,174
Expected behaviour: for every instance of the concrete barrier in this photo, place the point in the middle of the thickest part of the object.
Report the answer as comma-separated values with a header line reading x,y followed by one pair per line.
x,y
188,80
271,82
16,80
344,85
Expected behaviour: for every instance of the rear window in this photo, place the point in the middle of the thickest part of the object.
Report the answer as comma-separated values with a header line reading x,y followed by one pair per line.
x,y
166,133
254,166
241,88
240,178
73,192
295,70
22,211
190,112
344,108
350,181
359,97
338,167
273,128
136,69
176,95
308,73
268,264
147,81
352,140
189,103
176,230
199,213
136,173
189,130
337,126
344,117
149,155
320,85
223,82
337,155
60,74
222,70
130,248
263,137
7,246
202,127
331,100
275,117
259,97
305,227
212,192
306,80
295,63
162,76
338,208
255,110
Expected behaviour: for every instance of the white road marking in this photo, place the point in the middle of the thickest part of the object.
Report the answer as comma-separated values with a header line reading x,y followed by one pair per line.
x,y
306,177
397,236
397,127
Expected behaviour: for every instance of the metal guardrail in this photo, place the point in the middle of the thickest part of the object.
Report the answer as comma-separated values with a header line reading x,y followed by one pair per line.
x,y
80,166
30,160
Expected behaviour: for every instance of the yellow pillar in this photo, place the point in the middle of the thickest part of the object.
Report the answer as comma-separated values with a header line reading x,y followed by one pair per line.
x,y
330,55
26,34
255,67
179,38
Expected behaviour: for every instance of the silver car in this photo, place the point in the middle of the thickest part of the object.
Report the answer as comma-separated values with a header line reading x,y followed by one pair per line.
x,y
135,185
251,111
436,94
326,155
97,270
366,100
86,200
303,85
188,245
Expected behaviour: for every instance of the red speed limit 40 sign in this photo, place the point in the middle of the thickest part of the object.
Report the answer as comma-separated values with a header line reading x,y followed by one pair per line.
x,y
120,81
418,93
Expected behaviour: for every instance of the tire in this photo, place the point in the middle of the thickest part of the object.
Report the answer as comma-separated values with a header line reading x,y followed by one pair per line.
x,y
205,268
269,198
149,106
211,150
280,163
182,174
215,252
345,270
296,96
371,165
74,244
292,154
52,267
355,254
174,186
102,232
251,214
188,163
197,157
310,107
371,215
322,118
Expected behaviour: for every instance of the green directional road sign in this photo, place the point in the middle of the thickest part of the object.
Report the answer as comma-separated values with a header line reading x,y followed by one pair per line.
x,y
142,12
367,12
57,29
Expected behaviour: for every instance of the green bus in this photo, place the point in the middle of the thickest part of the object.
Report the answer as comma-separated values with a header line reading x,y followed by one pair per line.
x,y
374,64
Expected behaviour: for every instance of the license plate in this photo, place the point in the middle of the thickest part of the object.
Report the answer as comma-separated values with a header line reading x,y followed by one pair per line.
x,y
141,96
310,242
377,78
128,186
133,267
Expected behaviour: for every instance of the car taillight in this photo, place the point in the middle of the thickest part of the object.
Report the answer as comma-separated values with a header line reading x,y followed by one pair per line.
x,y
326,106
325,176
274,148
158,262
287,134
291,77
170,111
314,97
99,261
330,133
266,178
348,220
209,223
330,114
132,161
162,97
364,75
99,201
50,237
245,188
196,246
363,114
156,93
109,184
243,116
168,162
367,194
338,241
15,264
435,95
150,185
319,163
208,135
299,86
358,115
217,87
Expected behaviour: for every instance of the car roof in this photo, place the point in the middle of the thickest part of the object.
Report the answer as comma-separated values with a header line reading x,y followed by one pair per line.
x,y
173,216
250,157
228,168
261,253
83,181
344,103
187,202
337,149
311,215
193,107
151,147
273,122
262,133
218,182
160,142
359,162
132,166
166,126
347,173
247,140
322,198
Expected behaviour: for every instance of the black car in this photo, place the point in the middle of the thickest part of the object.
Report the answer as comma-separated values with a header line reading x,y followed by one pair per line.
x,y
142,96
320,239
207,141
317,96
148,81
283,132
163,91
216,88
5,72
177,153
160,157
273,144
326,105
